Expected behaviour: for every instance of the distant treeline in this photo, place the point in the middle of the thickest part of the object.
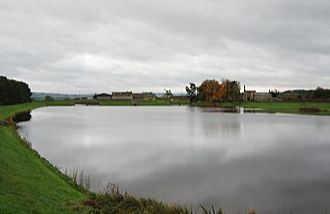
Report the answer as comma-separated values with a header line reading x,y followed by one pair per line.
x,y
13,92
317,94
41,96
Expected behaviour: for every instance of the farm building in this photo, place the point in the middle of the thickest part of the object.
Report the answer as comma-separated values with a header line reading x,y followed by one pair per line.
x,y
263,97
144,96
252,95
125,95
102,96
249,95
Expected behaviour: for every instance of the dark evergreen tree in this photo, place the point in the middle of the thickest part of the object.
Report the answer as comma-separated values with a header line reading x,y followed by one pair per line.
x,y
13,92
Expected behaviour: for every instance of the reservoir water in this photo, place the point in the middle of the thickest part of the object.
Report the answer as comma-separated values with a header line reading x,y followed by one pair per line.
x,y
276,163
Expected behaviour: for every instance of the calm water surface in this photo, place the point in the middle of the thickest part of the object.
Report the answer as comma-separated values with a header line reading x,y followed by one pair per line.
x,y
276,163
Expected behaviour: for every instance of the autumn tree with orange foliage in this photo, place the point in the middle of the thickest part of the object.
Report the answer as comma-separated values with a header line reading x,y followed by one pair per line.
x,y
213,91
210,91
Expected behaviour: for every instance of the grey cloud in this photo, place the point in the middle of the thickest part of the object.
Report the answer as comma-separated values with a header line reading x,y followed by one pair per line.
x,y
71,46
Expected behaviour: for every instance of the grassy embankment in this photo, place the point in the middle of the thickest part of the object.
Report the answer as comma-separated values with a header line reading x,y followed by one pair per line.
x,y
318,108
10,110
314,108
30,184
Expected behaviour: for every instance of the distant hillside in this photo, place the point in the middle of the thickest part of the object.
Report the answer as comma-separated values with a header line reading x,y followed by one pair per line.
x,y
39,96
160,94
301,94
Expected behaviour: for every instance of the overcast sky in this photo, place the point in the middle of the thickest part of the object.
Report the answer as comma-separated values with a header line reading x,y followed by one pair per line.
x,y
85,46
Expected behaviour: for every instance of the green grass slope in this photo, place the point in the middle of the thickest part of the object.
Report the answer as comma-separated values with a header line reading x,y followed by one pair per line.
x,y
283,107
29,184
6,111
10,110
289,107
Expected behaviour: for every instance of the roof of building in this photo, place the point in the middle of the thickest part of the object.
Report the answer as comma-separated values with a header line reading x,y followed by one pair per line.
x,y
103,95
123,93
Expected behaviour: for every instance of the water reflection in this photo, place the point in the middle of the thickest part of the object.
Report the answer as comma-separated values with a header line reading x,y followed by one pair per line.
x,y
23,116
274,162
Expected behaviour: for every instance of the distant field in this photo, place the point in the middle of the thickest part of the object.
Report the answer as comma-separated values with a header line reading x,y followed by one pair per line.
x,y
315,108
285,107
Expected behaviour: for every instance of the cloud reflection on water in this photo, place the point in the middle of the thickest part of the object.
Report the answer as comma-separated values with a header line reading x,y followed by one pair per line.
x,y
275,163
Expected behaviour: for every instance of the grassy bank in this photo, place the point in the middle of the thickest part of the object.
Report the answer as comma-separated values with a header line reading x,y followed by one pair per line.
x,y
320,108
284,107
10,110
28,183
315,108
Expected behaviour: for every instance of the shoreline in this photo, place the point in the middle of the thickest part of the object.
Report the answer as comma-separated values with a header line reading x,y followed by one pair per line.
x,y
17,166
303,108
